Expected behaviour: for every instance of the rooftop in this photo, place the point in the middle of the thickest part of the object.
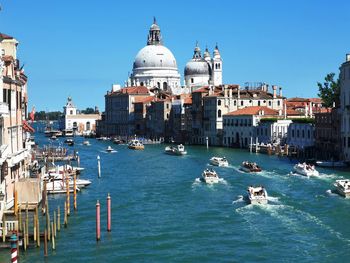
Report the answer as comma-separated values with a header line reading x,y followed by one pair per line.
x,y
254,110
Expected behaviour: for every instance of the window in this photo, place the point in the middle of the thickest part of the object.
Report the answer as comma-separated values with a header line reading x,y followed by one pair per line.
x,y
141,83
303,133
71,111
293,133
297,133
219,113
192,80
269,102
241,102
279,103
234,103
308,134
219,102
258,102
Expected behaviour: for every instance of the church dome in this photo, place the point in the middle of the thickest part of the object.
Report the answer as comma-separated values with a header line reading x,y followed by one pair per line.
x,y
154,56
197,67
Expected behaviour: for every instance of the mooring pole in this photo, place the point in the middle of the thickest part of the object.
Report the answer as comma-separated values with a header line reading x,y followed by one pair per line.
x,y
109,213
98,226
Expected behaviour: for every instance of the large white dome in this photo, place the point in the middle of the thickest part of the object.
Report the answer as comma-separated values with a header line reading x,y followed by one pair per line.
x,y
154,56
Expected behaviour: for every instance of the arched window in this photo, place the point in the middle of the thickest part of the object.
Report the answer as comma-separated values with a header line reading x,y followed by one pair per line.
x,y
219,102
88,126
141,84
158,85
219,113
258,102
75,125
192,80
235,103
165,86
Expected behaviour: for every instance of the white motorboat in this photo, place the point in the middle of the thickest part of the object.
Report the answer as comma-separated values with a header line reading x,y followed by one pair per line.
x,y
218,161
68,168
87,143
305,169
53,138
250,167
109,149
59,187
210,176
257,195
343,187
58,177
136,145
331,164
178,150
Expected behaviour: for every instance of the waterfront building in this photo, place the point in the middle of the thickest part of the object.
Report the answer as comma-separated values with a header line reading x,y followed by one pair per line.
x,y
304,107
203,70
239,126
119,116
140,110
210,103
15,145
301,134
155,65
158,116
344,78
77,122
327,135
272,131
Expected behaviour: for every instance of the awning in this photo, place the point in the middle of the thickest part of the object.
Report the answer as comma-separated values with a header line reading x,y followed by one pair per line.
x,y
27,127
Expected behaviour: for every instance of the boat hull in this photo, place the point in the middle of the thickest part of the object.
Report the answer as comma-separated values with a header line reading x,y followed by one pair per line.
x,y
305,173
218,163
260,201
136,147
248,170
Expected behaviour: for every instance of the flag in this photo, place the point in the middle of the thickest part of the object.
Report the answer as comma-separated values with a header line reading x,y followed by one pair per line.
x,y
32,114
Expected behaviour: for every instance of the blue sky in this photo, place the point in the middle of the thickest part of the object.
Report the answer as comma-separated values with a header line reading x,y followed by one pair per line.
x,y
79,48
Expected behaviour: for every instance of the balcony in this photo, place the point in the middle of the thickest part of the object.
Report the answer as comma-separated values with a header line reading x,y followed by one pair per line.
x,y
4,108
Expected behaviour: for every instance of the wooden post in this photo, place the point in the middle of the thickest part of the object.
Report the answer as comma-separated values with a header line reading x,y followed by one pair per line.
x,y
65,214
27,225
44,197
24,238
48,220
20,218
75,191
98,166
37,228
109,213
54,222
58,219
45,243
16,203
98,225
53,236
68,196
3,228
34,228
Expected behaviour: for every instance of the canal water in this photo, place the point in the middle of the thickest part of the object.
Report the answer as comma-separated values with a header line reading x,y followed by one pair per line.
x,y
162,212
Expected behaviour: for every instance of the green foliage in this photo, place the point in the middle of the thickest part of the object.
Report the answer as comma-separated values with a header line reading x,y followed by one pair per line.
x,y
88,111
303,120
43,116
329,91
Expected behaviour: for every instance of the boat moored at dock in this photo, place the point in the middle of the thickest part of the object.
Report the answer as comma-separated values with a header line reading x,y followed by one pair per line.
x,y
176,150
331,164
343,187
219,161
305,169
257,195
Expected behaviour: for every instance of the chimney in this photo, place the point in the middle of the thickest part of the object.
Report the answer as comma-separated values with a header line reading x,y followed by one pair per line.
x,y
274,87
225,91
347,57
230,92
239,92
280,94
310,109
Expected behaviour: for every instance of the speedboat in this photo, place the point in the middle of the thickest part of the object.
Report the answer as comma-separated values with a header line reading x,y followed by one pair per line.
x,y
331,164
343,187
117,141
218,161
178,150
53,137
257,195
87,143
58,177
210,176
305,169
69,142
250,167
109,149
136,145
59,187
66,168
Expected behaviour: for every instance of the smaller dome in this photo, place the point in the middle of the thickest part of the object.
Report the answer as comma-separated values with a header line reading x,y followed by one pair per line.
x,y
155,27
197,67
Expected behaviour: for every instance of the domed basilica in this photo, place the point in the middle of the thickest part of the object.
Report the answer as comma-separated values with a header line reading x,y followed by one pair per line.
x,y
155,66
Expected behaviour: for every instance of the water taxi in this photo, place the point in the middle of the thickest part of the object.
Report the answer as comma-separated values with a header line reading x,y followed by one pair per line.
x,y
87,143
109,149
343,187
257,195
136,145
305,169
209,176
178,150
69,142
250,167
218,161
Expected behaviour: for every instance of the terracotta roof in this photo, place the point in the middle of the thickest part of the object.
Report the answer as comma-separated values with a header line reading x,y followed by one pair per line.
x,y
292,112
253,110
188,101
143,99
135,90
4,36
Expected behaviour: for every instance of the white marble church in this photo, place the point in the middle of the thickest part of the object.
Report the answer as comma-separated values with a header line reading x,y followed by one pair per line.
x,y
155,66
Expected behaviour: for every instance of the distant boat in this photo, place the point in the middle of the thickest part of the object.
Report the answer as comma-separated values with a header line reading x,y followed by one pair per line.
x,y
53,137
69,142
257,195
109,149
178,150
343,187
331,164
209,176
136,145
305,169
87,143
218,161
117,141
250,167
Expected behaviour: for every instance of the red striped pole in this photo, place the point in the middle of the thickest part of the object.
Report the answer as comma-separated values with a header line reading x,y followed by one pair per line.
x,y
108,213
14,254
98,221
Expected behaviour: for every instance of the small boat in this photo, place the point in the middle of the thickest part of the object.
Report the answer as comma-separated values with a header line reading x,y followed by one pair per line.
x,y
218,161
117,141
136,145
178,150
257,195
209,176
250,167
69,142
69,169
331,164
59,187
87,143
109,149
53,137
305,169
343,187
58,177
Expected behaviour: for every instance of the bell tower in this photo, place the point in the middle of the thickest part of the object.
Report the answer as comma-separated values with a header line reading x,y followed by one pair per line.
x,y
154,35
216,67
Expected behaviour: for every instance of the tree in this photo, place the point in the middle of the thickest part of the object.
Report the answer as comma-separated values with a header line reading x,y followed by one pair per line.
x,y
88,111
329,91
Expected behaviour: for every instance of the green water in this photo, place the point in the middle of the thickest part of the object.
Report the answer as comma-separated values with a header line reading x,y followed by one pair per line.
x,y
161,212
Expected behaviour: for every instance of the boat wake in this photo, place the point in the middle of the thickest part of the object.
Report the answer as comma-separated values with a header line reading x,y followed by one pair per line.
x,y
330,192
239,200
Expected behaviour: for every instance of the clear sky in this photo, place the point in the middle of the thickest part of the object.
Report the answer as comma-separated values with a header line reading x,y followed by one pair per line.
x,y
79,48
